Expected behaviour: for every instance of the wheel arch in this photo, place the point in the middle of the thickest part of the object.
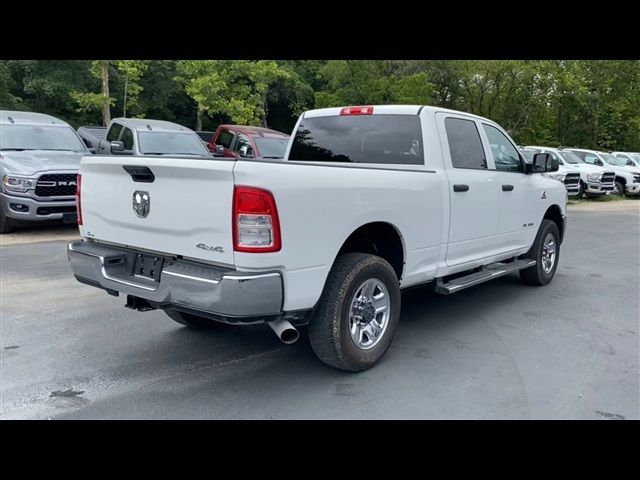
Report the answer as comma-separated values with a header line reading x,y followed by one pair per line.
x,y
554,213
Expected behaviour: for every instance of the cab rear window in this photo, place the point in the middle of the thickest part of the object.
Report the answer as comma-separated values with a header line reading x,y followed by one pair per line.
x,y
386,139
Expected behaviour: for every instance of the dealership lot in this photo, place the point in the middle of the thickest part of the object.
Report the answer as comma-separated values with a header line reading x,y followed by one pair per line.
x,y
500,350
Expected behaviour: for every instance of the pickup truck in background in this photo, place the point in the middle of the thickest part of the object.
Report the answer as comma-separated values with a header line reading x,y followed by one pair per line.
x,y
142,136
248,142
632,159
570,177
39,161
627,177
595,180
368,201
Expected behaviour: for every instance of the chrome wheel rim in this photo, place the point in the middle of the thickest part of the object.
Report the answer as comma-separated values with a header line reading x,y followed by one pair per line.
x,y
548,253
369,313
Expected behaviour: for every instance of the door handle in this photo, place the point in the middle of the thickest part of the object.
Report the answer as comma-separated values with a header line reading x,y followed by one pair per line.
x,y
507,188
460,188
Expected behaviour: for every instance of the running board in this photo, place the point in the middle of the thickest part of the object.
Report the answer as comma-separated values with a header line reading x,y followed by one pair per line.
x,y
490,272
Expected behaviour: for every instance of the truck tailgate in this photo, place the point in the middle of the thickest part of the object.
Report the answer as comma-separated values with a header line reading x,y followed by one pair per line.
x,y
189,204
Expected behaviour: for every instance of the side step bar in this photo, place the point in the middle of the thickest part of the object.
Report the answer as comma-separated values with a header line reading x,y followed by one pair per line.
x,y
490,272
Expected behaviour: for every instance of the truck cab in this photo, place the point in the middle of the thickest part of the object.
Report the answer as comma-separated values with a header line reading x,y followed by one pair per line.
x,y
137,136
248,142
39,161
632,159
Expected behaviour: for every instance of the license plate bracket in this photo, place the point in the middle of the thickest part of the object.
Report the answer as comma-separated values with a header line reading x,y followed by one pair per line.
x,y
148,266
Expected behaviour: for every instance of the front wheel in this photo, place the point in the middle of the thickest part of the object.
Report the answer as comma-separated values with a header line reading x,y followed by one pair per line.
x,y
619,189
580,190
358,313
546,252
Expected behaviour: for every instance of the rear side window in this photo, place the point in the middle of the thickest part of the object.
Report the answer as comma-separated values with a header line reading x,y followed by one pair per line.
x,y
225,138
385,139
114,132
465,144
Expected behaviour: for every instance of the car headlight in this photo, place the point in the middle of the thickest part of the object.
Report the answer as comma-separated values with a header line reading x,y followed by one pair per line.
x,y
593,178
18,184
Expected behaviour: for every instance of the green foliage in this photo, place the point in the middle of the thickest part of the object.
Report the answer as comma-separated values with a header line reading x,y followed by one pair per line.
x,y
234,88
591,104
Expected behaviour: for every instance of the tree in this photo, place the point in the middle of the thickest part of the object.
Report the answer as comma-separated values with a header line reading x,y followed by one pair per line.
x,y
132,71
237,89
8,101
88,101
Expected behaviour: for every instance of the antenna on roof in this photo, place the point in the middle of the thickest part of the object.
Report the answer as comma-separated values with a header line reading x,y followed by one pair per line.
x,y
11,120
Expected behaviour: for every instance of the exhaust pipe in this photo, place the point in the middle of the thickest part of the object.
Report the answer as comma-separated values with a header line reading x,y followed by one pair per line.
x,y
286,332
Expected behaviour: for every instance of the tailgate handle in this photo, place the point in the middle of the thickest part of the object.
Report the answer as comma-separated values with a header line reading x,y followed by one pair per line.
x,y
139,173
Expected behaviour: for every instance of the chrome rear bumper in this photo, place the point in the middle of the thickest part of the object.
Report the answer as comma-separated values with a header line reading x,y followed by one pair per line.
x,y
182,284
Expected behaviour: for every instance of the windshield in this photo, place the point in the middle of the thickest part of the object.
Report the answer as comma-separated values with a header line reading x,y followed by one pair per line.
x,y
611,160
171,143
38,137
570,157
271,147
390,139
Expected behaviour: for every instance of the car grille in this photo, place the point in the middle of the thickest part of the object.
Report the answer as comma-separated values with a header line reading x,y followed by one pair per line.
x,y
56,185
572,179
608,177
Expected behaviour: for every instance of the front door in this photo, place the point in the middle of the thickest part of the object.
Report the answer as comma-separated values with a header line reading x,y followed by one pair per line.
x,y
473,190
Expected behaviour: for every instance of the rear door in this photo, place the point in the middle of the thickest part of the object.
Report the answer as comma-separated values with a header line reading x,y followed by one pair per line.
x,y
473,190
173,206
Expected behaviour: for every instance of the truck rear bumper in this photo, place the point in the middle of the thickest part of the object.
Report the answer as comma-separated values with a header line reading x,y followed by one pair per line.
x,y
29,209
228,295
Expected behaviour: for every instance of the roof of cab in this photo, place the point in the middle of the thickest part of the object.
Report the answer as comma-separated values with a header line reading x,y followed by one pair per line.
x,y
29,118
153,125
389,110
253,130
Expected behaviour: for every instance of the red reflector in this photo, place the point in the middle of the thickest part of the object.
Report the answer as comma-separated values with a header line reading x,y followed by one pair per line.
x,y
78,199
357,111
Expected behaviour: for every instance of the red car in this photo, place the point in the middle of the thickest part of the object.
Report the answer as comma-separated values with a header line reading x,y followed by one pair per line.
x,y
248,142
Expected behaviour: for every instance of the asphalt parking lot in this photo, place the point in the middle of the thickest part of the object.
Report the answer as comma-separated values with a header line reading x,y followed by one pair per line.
x,y
501,350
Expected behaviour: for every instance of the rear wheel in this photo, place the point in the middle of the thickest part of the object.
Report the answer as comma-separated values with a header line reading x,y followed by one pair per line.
x,y
6,225
546,251
358,313
190,320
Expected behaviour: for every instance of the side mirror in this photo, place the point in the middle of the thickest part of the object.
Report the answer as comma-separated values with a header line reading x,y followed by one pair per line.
x,y
117,147
87,143
553,165
246,151
219,150
540,161
598,162
630,163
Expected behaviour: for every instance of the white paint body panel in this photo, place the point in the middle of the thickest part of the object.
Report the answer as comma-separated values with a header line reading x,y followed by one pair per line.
x,y
320,205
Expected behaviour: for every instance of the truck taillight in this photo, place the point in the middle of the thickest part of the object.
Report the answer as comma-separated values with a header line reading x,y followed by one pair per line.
x,y
255,221
357,111
78,199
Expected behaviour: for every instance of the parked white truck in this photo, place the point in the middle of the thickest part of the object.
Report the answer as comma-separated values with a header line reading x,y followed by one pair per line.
x,y
368,201
627,177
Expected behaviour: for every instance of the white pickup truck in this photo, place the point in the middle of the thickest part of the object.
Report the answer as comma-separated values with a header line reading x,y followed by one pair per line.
x,y
367,201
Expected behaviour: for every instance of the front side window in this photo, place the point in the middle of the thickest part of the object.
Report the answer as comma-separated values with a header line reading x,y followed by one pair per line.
x,y
114,132
243,146
225,138
465,144
170,143
127,139
381,139
505,155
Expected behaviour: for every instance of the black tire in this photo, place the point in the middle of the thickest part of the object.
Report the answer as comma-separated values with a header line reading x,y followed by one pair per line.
x,y
190,320
536,275
329,328
620,189
580,191
6,225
